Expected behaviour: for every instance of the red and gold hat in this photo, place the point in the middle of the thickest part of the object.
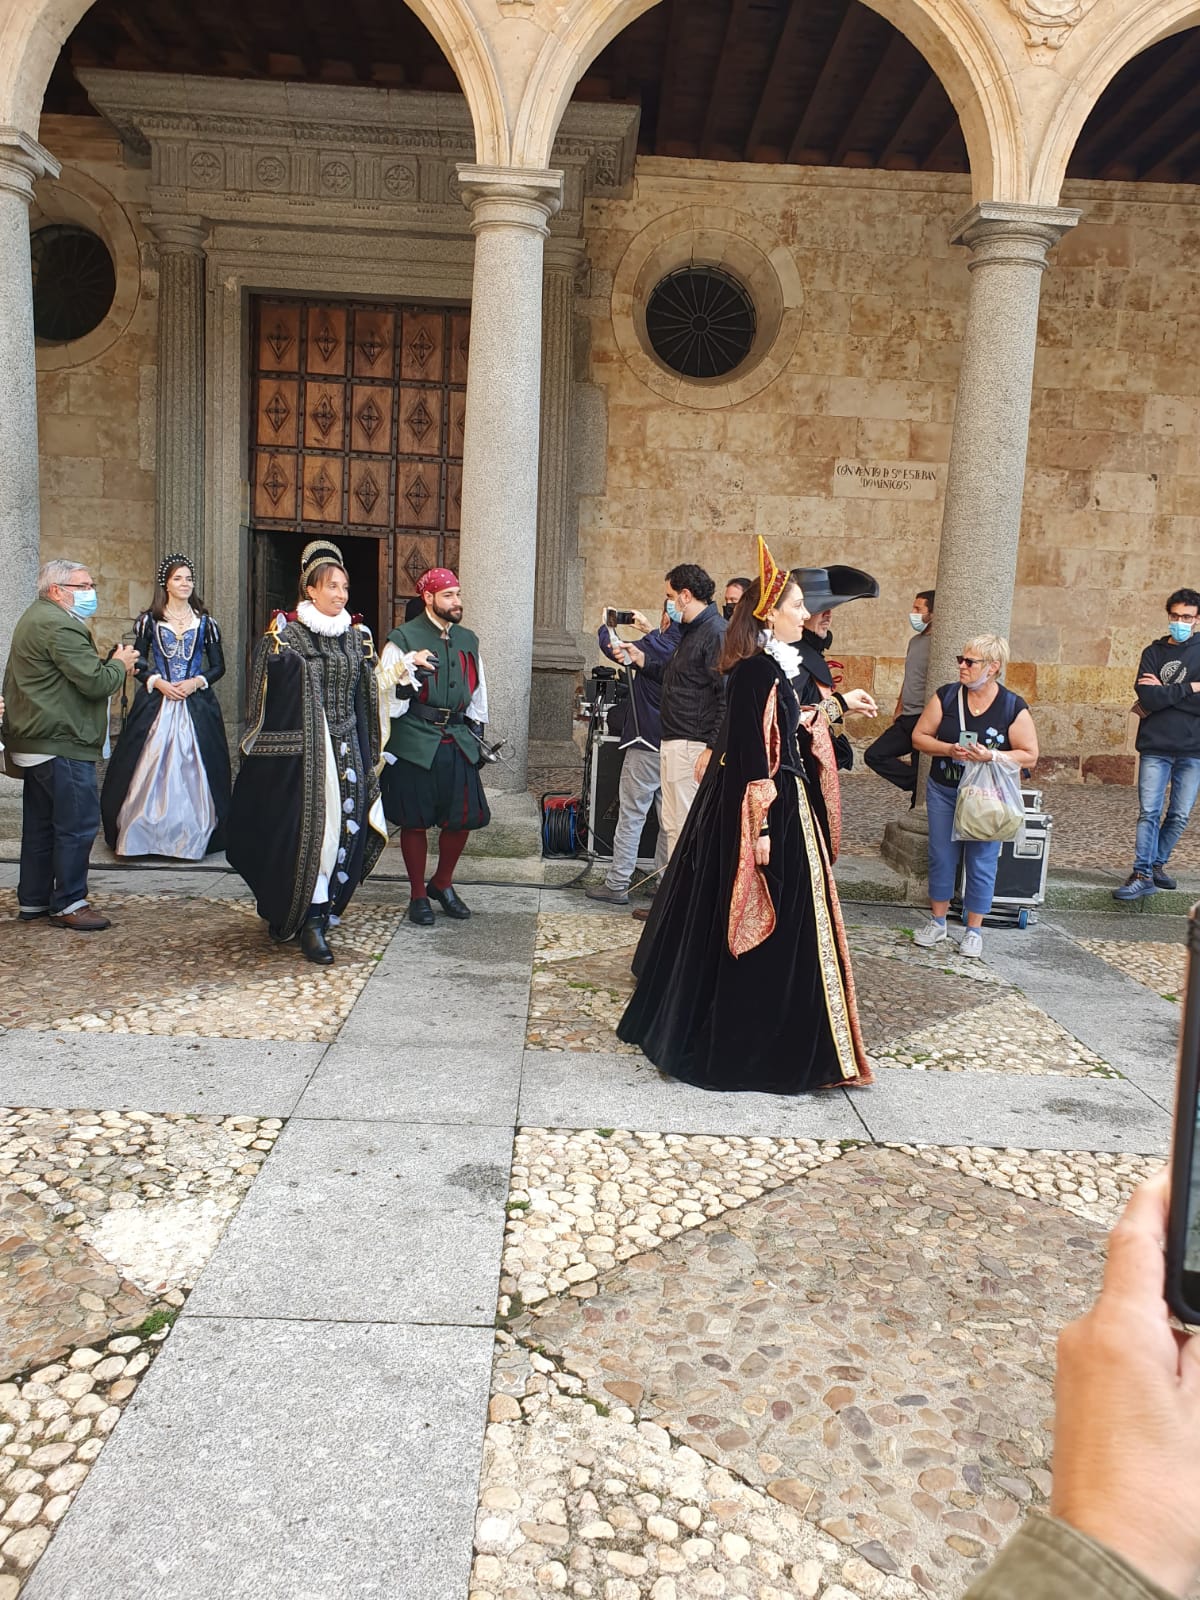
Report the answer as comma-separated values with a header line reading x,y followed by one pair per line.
x,y
772,581
435,580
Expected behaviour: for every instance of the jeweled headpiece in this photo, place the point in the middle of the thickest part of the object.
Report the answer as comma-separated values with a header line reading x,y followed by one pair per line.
x,y
177,560
772,581
317,554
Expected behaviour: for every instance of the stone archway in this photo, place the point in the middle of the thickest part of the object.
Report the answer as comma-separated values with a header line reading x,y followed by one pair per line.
x,y
33,32
976,63
1108,39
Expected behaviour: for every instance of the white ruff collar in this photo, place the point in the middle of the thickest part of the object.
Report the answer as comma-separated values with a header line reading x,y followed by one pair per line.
x,y
787,655
318,622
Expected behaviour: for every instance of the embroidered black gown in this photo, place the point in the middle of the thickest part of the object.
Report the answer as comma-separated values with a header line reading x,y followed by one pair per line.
x,y
313,746
172,760
779,1017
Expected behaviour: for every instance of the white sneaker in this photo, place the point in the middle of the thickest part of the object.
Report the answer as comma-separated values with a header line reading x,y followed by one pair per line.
x,y
972,944
932,933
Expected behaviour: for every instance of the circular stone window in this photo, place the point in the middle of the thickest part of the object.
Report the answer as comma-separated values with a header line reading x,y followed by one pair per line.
x,y
700,322
74,282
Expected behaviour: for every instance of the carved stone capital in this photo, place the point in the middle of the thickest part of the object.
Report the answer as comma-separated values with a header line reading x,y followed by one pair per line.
x,y
1003,232
178,235
22,162
515,197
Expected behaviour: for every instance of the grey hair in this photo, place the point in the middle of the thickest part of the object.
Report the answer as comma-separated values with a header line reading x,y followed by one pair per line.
x,y
55,573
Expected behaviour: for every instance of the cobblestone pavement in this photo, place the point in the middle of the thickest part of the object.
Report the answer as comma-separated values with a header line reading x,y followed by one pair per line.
x,y
1160,966
928,1010
173,964
782,1401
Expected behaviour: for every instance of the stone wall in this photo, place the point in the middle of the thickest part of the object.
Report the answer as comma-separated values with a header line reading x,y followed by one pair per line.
x,y
840,454
96,397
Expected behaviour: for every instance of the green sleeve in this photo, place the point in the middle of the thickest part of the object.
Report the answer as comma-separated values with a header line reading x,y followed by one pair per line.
x,y
1047,1560
76,657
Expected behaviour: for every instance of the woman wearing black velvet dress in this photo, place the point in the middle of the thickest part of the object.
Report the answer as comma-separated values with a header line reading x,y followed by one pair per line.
x,y
166,791
744,978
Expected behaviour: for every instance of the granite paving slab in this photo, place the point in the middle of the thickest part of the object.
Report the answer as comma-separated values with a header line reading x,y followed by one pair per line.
x,y
302,1460
253,1077
367,1222
872,1346
435,1082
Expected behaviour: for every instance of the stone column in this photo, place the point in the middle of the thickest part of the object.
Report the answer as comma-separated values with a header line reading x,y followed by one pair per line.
x,y
22,162
981,521
510,208
179,461
556,657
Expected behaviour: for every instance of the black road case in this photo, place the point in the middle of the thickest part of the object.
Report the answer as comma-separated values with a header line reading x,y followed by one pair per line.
x,y
602,801
1021,873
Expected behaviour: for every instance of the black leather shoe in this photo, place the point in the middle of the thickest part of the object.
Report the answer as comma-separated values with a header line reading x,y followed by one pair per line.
x,y
313,943
420,912
450,903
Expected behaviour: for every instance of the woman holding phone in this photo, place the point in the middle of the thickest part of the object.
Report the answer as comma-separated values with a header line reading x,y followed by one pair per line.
x,y
974,720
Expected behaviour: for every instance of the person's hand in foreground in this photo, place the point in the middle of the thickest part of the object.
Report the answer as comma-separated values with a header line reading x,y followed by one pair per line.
x,y
1127,1410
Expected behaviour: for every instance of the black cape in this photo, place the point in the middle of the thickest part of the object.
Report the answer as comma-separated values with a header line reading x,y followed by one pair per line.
x,y
303,682
781,1017
208,661
808,685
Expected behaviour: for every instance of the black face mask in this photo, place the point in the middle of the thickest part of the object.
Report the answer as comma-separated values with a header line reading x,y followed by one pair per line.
x,y
728,609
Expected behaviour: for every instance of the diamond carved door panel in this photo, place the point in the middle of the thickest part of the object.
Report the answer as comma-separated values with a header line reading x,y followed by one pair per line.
x,y
357,426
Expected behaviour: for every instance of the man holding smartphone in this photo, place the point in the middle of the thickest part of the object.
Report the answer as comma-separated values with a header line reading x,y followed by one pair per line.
x,y
1168,745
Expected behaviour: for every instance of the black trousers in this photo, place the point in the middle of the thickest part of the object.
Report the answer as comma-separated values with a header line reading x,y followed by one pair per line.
x,y
885,756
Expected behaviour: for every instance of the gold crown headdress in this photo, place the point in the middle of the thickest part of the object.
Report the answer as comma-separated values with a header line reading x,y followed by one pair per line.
x,y
317,554
772,581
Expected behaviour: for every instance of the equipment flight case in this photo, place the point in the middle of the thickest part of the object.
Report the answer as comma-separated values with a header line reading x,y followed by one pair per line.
x,y
1021,873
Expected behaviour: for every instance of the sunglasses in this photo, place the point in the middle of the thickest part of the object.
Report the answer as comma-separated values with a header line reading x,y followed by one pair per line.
x,y
968,661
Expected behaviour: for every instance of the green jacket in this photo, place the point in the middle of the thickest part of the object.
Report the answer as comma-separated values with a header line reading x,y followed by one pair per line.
x,y
449,689
1047,1560
56,688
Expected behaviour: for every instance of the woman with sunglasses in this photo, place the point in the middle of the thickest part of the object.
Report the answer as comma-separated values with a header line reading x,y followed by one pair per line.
x,y
993,721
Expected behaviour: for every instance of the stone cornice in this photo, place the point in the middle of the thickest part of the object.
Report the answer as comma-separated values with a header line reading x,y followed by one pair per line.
x,y
266,152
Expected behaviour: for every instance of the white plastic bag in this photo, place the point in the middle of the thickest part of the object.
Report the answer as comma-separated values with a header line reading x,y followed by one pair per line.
x,y
989,804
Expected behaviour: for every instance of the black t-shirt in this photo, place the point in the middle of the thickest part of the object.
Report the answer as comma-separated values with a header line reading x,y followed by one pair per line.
x,y
991,725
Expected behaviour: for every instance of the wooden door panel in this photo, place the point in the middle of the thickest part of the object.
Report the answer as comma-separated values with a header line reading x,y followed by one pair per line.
x,y
418,493
374,338
274,486
453,496
369,503
422,346
450,553
325,416
325,351
321,499
460,343
420,427
371,418
458,423
279,337
278,422
415,554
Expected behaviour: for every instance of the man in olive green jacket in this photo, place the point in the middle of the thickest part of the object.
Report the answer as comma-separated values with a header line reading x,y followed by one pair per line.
x,y
56,694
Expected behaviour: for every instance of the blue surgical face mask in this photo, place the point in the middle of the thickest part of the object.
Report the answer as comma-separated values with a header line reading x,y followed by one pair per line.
x,y
1181,632
674,612
85,604
917,622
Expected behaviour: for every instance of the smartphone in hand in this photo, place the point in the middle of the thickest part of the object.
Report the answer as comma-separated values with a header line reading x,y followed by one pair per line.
x,y
1183,1226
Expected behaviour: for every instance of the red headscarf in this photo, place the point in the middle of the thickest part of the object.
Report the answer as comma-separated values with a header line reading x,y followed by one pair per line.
x,y
435,580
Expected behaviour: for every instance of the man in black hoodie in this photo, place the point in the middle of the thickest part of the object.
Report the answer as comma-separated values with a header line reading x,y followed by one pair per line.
x,y
1168,743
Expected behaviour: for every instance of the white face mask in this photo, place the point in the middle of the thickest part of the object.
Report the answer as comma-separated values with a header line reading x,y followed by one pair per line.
x,y
980,683
917,622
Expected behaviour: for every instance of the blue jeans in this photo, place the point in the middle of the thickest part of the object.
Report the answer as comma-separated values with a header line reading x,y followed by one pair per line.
x,y
1157,835
59,823
982,859
640,789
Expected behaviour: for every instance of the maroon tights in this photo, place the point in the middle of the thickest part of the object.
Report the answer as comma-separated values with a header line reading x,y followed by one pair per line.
x,y
451,844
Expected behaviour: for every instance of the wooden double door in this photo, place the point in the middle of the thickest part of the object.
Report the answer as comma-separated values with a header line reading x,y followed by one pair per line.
x,y
357,419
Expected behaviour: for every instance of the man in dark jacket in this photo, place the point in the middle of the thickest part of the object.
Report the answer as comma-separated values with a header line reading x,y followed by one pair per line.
x,y
56,694
641,784
1168,744
693,691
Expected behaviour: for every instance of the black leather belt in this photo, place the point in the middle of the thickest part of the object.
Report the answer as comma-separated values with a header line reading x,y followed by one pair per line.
x,y
440,716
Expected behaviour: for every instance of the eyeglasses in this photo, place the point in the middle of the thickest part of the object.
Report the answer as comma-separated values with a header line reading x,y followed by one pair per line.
x,y
967,661
1179,616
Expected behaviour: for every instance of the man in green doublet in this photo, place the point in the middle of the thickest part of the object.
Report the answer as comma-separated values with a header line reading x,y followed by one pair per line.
x,y
430,776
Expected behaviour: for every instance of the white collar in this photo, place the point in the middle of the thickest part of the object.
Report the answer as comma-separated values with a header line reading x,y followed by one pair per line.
x,y
317,622
787,655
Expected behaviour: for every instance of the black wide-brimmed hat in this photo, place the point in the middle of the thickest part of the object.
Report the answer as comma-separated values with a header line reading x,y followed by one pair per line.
x,y
826,587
